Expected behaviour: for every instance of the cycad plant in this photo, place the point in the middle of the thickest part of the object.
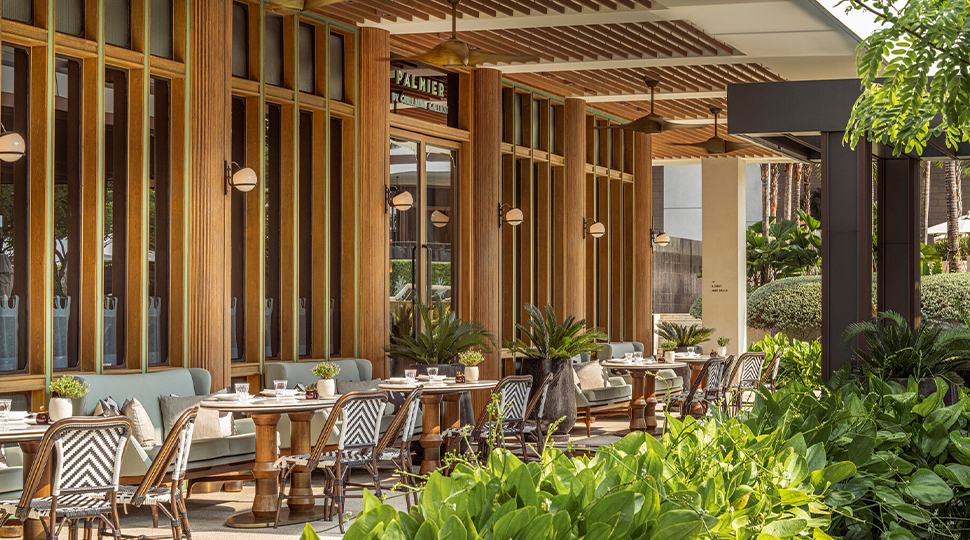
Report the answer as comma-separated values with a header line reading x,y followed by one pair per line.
x,y
683,335
895,350
443,337
546,337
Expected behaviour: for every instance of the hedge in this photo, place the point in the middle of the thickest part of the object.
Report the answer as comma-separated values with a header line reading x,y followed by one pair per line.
x,y
941,294
790,305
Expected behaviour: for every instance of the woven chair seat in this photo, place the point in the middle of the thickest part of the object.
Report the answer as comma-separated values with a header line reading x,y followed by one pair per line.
x,y
155,495
352,458
69,506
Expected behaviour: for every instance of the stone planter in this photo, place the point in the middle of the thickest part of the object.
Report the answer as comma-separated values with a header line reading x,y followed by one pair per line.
x,y
471,373
60,408
326,387
561,397
927,387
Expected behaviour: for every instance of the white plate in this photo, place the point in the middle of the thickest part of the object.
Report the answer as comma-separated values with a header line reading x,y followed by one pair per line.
x,y
226,397
17,415
397,380
427,378
289,392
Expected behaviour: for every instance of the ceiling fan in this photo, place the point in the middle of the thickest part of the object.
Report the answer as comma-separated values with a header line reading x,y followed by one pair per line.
x,y
652,123
453,52
717,146
289,6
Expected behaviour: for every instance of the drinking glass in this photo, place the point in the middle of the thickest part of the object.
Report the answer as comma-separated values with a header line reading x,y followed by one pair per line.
x,y
432,373
638,355
410,375
628,357
5,405
242,391
280,387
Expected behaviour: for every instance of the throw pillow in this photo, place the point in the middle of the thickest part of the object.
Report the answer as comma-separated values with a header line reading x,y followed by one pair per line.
x,y
106,407
357,386
3,458
591,376
209,424
142,429
173,406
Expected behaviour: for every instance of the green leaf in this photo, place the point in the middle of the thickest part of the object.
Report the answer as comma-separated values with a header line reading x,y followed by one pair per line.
x,y
453,530
393,532
833,474
912,513
308,533
678,525
786,528
928,488
427,531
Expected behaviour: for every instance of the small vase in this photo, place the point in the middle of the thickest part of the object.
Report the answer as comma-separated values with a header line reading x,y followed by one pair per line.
x,y
722,351
471,373
60,408
669,356
326,387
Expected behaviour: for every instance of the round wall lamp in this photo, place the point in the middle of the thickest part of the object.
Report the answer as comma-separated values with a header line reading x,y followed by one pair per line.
x,y
439,219
507,214
12,145
244,179
594,229
660,238
397,198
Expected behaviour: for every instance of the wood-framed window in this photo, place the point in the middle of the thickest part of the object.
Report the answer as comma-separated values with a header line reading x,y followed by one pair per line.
x,y
159,222
115,287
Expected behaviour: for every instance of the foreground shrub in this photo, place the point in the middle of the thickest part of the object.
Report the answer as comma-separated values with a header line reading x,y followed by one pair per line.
x,y
940,296
801,361
792,306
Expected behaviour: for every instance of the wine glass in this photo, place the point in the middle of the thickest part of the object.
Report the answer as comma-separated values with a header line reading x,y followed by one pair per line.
x,y
280,387
432,373
5,405
242,391
410,375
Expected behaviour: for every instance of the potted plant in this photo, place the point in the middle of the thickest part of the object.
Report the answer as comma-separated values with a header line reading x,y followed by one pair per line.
x,y
442,338
685,338
325,372
722,344
896,351
548,346
63,390
668,348
471,359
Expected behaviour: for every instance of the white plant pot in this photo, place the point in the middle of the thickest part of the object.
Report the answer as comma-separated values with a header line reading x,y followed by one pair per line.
x,y
60,408
471,373
326,387
722,351
669,356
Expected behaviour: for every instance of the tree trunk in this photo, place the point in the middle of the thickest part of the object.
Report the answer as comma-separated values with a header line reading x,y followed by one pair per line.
x,y
806,188
924,203
773,191
789,185
952,178
765,204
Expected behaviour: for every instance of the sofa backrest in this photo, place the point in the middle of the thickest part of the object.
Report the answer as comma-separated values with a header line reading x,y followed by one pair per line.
x,y
617,349
351,369
146,388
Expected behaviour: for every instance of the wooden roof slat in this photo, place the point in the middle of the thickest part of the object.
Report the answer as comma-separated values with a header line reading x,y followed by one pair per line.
x,y
665,28
650,33
697,33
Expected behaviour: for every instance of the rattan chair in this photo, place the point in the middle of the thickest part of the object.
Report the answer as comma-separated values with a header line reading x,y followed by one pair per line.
x,y
86,454
401,431
711,374
513,398
746,376
360,415
535,429
151,492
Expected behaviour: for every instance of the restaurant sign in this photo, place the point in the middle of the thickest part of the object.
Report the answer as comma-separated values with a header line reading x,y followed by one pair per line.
x,y
423,85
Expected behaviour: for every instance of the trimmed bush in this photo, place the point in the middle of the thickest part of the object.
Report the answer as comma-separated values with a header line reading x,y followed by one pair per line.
x,y
790,305
696,308
941,294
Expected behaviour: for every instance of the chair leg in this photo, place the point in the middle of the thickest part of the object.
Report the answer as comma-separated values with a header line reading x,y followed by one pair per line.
x,y
339,494
184,519
588,415
377,478
154,516
281,489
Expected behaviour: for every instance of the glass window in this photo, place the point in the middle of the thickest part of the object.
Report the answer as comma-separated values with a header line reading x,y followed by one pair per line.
x,y
18,10
14,214
273,52
517,118
115,215
336,221
240,40
307,218
159,221
336,66
67,216
70,17
117,22
308,55
441,171
536,114
161,17
19,401
237,307
404,237
272,269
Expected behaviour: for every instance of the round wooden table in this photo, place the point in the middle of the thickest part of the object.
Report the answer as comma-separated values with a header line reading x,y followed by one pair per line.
x,y
28,437
644,391
431,421
266,413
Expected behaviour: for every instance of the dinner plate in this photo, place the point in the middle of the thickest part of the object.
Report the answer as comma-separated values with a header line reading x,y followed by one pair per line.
x,y
427,378
289,392
226,397
17,415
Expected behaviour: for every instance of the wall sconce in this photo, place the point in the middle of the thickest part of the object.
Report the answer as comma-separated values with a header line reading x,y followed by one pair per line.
x,y
510,215
12,146
659,237
397,198
244,179
594,229
439,219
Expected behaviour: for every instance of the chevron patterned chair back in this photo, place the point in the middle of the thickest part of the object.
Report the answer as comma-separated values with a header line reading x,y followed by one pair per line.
x,y
401,429
515,397
746,376
360,417
715,378
536,409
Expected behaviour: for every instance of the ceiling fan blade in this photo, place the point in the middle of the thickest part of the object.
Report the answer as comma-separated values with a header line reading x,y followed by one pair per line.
x,y
314,4
478,57
645,124
447,53
290,6
731,146
670,126
695,145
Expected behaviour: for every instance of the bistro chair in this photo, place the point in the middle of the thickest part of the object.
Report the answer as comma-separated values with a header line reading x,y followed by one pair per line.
x,y
770,378
86,454
746,376
399,455
535,430
711,373
513,398
151,492
360,415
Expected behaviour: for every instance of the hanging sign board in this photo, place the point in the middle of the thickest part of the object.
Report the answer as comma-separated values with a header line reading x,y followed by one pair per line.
x,y
419,92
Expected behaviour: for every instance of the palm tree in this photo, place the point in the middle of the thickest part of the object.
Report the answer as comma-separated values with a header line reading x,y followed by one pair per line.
x,y
806,199
773,191
765,204
952,177
789,189
924,202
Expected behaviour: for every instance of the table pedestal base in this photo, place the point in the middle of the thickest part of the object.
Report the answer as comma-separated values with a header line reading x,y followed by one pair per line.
x,y
643,412
431,437
248,520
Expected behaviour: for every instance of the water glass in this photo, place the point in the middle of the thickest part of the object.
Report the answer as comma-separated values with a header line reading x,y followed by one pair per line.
x,y
410,375
638,355
280,387
5,405
432,373
242,391
628,357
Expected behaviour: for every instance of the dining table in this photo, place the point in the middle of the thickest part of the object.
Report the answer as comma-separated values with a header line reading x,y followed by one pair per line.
x,y
266,413
643,415
433,417
28,437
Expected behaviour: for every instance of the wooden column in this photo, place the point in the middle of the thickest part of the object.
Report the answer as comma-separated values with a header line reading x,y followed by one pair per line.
x,y
486,136
898,286
207,288
572,206
642,243
374,113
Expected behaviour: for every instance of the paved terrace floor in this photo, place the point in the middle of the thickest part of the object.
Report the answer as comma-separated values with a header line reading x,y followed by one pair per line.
x,y
208,511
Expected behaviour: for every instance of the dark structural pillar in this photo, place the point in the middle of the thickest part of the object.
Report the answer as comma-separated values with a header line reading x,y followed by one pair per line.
x,y
846,244
897,237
